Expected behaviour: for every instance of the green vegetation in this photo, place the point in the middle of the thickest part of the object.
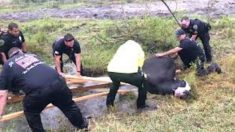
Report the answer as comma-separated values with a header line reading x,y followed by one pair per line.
x,y
211,109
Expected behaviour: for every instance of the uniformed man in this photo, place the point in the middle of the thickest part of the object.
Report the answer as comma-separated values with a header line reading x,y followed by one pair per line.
x,y
41,84
69,46
12,38
126,66
2,54
198,29
189,53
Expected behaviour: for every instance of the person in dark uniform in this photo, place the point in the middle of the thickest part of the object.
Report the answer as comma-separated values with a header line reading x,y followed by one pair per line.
x,y
189,53
69,46
2,54
198,29
160,77
27,72
12,38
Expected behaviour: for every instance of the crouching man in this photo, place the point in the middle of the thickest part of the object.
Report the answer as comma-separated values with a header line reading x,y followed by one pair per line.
x,y
190,53
41,84
126,66
160,77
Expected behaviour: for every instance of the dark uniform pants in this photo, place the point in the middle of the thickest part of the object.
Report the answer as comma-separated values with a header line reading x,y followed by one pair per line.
x,y
205,38
135,79
59,95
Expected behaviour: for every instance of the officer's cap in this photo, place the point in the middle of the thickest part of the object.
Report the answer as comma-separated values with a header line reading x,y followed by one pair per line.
x,y
68,37
179,32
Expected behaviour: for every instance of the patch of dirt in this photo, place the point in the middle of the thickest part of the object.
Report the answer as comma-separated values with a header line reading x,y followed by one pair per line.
x,y
212,8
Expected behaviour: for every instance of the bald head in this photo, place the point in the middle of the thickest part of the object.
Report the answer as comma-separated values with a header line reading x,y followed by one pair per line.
x,y
14,51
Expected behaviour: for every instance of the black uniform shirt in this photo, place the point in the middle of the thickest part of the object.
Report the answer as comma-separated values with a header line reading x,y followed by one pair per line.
x,y
26,72
190,51
59,48
196,27
12,41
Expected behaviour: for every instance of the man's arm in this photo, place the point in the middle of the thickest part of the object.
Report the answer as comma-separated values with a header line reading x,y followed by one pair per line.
x,y
193,38
24,48
23,43
195,31
3,101
4,58
57,63
78,63
169,52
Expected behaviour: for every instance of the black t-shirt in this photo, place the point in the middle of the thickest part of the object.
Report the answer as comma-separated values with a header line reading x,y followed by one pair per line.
x,y
59,48
190,51
26,72
12,41
197,27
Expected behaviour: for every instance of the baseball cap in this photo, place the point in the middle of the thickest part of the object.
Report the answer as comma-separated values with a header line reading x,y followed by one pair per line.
x,y
179,32
68,37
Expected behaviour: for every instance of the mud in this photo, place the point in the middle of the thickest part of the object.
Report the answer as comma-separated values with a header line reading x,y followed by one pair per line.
x,y
212,8
54,119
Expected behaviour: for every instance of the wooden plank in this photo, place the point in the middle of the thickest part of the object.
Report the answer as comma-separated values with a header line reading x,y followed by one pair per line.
x,y
15,99
86,79
79,99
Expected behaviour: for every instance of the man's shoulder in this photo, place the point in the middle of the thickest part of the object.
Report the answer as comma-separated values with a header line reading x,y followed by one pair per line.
x,y
21,33
5,36
76,42
186,42
59,43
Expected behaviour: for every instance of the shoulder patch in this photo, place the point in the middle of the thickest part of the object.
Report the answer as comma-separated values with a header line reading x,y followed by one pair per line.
x,y
195,27
56,53
10,63
20,38
2,42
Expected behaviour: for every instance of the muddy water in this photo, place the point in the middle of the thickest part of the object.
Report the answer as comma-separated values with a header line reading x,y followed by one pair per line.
x,y
53,119
213,8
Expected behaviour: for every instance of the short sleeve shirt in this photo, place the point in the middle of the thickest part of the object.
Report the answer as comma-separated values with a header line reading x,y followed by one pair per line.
x,y
190,51
60,48
196,27
12,41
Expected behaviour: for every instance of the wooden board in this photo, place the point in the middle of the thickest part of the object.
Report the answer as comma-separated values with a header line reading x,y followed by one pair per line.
x,y
79,99
73,79
15,99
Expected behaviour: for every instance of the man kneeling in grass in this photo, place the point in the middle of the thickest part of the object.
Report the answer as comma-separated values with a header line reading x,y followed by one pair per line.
x,y
190,53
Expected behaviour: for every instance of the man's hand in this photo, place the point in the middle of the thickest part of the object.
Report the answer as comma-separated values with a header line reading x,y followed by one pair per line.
x,y
62,74
159,54
3,100
193,38
78,73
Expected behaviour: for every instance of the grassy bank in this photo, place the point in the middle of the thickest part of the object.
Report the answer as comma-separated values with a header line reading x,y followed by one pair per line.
x,y
100,38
